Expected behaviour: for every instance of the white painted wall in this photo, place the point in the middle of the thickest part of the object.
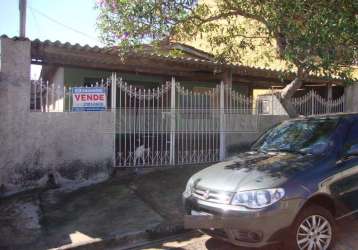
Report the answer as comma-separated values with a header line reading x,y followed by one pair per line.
x,y
77,146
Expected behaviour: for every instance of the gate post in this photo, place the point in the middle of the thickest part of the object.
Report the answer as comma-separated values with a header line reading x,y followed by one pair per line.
x,y
312,101
172,122
113,110
329,98
222,152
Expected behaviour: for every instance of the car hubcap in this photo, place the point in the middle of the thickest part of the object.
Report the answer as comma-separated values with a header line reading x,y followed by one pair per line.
x,y
314,233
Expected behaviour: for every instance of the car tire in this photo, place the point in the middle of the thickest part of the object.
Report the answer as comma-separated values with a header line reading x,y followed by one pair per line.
x,y
324,231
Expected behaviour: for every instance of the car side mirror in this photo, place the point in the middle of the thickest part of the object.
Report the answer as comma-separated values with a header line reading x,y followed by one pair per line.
x,y
352,151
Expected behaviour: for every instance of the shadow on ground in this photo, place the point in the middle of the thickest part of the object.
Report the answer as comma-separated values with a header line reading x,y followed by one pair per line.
x,y
58,217
55,218
162,190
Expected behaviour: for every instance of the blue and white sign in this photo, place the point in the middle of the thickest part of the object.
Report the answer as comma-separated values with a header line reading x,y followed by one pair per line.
x,y
89,99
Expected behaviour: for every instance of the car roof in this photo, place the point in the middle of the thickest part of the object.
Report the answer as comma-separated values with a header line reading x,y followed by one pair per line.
x,y
332,115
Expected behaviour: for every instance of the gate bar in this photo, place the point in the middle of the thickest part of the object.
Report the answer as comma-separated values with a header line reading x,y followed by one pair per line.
x,y
114,105
222,154
172,122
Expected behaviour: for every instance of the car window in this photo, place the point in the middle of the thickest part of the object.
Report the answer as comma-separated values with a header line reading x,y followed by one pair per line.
x,y
299,136
352,136
345,185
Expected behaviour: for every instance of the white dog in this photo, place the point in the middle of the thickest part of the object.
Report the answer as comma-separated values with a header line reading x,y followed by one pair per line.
x,y
139,154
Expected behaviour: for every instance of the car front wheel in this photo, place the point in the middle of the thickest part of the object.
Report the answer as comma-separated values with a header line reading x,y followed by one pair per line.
x,y
314,229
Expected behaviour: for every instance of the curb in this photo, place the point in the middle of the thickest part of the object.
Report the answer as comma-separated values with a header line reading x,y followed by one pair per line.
x,y
150,243
128,241
115,241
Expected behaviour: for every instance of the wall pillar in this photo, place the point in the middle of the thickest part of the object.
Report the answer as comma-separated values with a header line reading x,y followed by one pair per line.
x,y
227,77
15,76
15,63
350,98
329,91
58,82
71,145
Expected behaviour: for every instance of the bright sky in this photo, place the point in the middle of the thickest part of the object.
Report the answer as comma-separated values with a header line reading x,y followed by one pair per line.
x,y
71,21
65,20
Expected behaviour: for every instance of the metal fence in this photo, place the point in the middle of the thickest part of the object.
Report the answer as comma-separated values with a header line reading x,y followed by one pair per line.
x,y
171,125
313,104
49,97
166,125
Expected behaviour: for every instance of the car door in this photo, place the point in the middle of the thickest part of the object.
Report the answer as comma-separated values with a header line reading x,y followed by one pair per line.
x,y
344,186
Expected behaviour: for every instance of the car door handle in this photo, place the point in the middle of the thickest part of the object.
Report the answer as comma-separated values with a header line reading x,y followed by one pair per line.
x,y
354,189
345,158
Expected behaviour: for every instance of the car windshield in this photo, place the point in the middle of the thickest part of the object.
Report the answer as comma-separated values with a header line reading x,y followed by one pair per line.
x,y
310,136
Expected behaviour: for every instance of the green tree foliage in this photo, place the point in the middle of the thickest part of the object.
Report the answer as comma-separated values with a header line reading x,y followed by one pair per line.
x,y
317,37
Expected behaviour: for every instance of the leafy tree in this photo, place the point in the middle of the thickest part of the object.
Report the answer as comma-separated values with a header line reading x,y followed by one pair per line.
x,y
314,37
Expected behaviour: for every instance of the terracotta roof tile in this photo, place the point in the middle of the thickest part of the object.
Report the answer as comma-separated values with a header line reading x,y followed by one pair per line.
x,y
179,59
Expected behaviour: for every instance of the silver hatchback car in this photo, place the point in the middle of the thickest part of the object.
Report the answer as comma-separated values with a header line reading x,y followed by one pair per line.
x,y
298,179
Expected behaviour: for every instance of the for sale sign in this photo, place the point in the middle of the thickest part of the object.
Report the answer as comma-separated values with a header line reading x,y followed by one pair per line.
x,y
88,99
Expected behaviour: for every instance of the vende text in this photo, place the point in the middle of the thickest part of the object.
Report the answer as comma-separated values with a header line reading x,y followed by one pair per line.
x,y
89,97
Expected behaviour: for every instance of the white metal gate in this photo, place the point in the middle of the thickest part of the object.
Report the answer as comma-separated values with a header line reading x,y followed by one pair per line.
x,y
171,125
313,104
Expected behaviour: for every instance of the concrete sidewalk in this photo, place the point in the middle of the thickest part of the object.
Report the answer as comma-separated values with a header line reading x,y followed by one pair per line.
x,y
62,219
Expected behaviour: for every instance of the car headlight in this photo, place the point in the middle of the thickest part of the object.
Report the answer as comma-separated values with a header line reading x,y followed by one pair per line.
x,y
188,188
258,198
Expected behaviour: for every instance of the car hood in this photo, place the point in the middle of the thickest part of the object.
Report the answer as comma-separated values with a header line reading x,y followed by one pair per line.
x,y
252,170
